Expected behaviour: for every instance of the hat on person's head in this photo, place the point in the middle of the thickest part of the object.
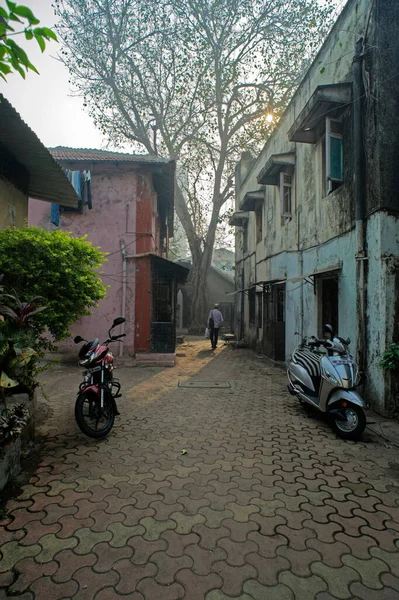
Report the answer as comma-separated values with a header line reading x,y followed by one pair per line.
x,y
216,305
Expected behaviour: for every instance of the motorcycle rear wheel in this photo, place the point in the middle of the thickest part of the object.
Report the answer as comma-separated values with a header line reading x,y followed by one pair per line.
x,y
94,421
353,427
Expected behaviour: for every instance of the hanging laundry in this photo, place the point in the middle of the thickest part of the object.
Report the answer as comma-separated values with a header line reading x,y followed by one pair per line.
x,y
55,214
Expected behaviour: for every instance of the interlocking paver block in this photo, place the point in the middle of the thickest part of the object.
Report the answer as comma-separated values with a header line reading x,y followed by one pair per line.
x,y
90,582
153,591
241,513
121,533
214,518
389,558
369,570
202,560
12,552
303,588
237,551
69,562
331,553
88,539
28,571
45,587
267,569
197,587
234,577
168,566
130,575
338,580
364,593
257,591
185,523
267,504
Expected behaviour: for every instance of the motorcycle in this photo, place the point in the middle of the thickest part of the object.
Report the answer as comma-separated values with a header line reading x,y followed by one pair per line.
x,y
327,381
95,407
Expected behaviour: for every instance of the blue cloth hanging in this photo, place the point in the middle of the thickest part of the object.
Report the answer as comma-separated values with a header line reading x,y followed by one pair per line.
x,y
55,214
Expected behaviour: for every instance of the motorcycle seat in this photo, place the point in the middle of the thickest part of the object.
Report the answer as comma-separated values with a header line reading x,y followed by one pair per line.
x,y
309,361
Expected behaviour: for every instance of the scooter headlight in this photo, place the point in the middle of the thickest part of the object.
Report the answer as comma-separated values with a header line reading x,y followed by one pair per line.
x,y
329,376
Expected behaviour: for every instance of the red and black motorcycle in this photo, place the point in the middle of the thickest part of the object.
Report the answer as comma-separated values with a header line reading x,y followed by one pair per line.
x,y
95,407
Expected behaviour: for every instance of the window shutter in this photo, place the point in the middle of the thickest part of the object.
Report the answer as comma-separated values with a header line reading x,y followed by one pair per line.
x,y
282,193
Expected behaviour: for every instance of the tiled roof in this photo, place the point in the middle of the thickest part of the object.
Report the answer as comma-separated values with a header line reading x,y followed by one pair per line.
x,y
47,181
93,155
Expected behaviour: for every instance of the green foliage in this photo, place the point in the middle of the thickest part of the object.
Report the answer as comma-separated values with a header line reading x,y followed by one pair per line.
x,y
13,58
21,346
390,358
59,268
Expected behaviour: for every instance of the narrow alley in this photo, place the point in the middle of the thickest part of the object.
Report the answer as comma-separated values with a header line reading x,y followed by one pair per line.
x,y
266,504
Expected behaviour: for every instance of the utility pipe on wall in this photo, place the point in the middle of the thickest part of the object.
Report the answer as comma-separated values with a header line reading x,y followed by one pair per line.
x,y
360,204
124,285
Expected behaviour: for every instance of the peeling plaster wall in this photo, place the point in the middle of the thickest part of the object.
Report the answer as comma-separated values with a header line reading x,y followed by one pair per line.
x,y
116,194
13,206
322,230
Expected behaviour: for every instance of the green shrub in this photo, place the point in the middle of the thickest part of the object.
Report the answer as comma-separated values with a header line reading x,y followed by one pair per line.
x,y
390,358
56,266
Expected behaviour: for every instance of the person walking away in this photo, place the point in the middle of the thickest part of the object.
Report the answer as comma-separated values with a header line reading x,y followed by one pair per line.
x,y
215,320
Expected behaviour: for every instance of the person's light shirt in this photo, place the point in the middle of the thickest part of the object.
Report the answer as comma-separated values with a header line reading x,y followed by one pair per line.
x,y
217,317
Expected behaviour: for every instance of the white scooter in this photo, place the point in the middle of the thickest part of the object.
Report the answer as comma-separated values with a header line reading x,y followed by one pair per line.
x,y
327,381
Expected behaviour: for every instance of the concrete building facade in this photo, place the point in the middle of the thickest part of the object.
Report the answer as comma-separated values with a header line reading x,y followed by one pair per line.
x,y
317,227
128,213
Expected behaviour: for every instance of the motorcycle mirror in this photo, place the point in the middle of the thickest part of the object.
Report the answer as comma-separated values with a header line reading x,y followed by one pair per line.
x,y
78,339
348,341
118,321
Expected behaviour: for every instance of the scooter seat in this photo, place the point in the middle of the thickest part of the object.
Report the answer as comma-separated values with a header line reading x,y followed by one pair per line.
x,y
309,361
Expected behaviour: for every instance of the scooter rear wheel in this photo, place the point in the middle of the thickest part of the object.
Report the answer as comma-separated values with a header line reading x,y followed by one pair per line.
x,y
355,423
94,421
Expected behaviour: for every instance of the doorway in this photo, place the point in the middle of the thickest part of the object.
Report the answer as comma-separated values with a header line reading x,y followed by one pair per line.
x,y
274,321
328,313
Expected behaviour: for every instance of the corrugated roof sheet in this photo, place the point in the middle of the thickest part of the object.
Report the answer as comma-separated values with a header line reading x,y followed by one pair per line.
x,y
47,180
93,155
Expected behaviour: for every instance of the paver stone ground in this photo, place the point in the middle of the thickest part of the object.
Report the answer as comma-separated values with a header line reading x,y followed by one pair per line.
x,y
267,503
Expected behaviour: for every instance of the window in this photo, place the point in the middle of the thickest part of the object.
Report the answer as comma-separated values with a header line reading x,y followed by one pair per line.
x,y
286,196
259,224
333,168
251,301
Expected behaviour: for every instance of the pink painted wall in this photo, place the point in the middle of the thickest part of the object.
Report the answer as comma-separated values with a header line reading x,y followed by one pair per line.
x,y
123,203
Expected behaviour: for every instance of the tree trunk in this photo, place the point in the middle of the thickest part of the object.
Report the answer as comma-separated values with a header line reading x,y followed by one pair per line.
x,y
201,260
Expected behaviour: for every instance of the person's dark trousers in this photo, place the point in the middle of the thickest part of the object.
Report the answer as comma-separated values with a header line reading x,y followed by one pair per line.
x,y
214,337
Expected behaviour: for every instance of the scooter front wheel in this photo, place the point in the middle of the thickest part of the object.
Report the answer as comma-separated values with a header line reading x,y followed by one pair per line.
x,y
94,421
354,425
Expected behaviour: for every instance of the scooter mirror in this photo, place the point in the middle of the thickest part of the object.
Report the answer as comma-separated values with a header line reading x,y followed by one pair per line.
x,y
78,339
328,329
118,321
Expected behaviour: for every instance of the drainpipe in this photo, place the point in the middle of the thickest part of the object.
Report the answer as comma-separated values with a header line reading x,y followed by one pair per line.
x,y
361,258
242,306
124,284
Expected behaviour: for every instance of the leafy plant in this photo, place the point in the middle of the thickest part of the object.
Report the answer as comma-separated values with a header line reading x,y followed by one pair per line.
x,y
390,358
10,427
56,266
13,58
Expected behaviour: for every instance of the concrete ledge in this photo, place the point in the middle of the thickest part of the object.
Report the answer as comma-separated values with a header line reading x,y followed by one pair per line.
x,y
149,359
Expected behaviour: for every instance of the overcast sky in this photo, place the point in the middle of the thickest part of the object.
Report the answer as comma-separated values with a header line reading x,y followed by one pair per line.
x,y
44,101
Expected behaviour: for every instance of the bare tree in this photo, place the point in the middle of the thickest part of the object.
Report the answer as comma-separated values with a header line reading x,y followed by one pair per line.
x,y
194,80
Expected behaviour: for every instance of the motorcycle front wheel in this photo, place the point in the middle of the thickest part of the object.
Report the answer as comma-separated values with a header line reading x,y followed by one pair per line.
x,y
94,421
355,423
